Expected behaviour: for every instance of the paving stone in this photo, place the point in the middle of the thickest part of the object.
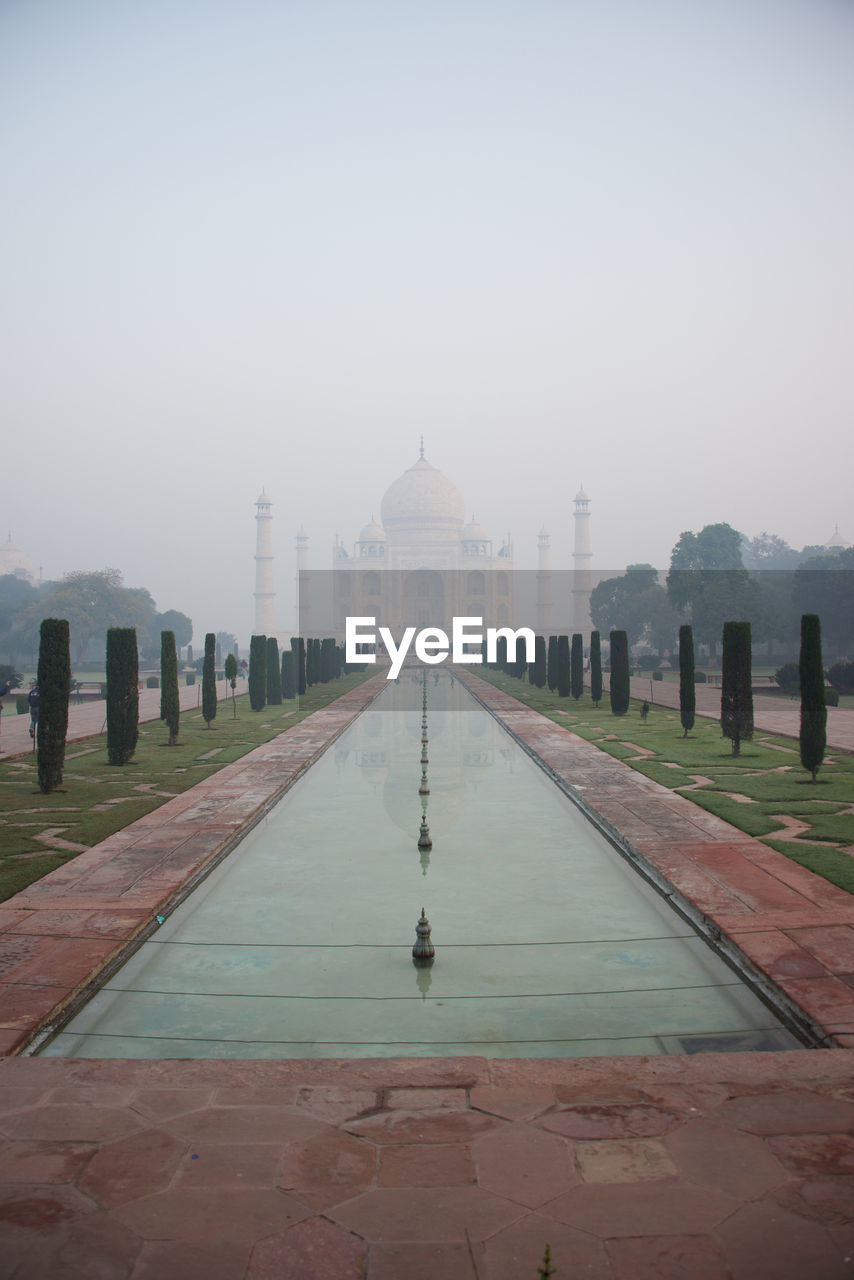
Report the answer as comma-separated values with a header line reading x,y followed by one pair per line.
x,y
244,1124
328,1168
427,1262
713,1155
91,1248
512,1104
157,1104
787,1111
524,1164
425,1166
664,1207
764,1242
334,1105
516,1253
667,1258
425,1099
624,1160
423,1126
32,1208
211,1214
229,1164
312,1250
815,1152
44,1163
255,1096
780,957
593,1120
828,1199
74,1122
834,946
131,1168
434,1215
175,1260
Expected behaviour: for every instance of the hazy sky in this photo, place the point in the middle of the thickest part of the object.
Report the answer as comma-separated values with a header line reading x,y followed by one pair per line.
x,y
258,244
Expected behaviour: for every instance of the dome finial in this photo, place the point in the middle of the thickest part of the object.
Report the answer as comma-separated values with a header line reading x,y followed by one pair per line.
x,y
421,454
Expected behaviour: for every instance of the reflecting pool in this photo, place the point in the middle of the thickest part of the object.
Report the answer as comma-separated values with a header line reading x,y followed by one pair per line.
x,y
299,944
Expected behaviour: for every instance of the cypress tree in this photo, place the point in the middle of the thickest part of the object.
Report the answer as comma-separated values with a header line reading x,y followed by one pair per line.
x,y
552,664
54,684
231,677
620,687
122,694
687,685
274,673
298,646
563,666
595,668
576,667
327,660
736,692
540,662
209,679
310,676
170,707
501,653
258,672
813,734
289,684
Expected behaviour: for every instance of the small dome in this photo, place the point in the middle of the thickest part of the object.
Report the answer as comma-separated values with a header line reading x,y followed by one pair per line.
x,y
581,496
16,562
837,540
263,498
423,496
372,532
475,532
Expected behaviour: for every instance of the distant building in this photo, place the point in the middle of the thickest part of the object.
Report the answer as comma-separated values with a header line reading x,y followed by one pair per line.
x,y
17,563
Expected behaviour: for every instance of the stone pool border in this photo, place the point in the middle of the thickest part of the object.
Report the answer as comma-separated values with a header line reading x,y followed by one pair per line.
x,y
791,931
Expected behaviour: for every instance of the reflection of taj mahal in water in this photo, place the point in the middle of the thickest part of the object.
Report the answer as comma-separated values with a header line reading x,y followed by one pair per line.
x,y
422,565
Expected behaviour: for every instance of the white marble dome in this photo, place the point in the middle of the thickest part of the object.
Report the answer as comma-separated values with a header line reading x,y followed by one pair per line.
x,y
423,497
16,562
372,532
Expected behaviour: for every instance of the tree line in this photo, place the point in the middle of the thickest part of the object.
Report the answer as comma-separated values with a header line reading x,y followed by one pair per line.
x,y
716,575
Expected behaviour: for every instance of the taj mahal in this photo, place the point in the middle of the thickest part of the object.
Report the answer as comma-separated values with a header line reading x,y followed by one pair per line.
x,y
422,564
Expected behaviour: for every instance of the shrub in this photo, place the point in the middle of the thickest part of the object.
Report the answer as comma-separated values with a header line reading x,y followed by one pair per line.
x,y
841,676
831,698
700,677
563,666
813,734
576,667
54,684
122,694
688,677
658,675
595,668
646,661
190,677
22,706
620,689
209,679
258,673
289,684
152,682
274,673
170,707
787,677
736,690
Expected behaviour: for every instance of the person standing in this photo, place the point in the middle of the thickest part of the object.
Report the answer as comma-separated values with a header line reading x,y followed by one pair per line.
x,y
33,702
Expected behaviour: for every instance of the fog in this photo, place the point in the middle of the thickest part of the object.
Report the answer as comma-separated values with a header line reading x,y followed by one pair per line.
x,y
270,245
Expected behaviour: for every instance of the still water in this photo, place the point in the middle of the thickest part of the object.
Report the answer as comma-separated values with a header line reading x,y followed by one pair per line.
x,y
299,944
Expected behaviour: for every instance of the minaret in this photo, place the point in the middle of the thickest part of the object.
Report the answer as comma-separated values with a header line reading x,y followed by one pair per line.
x,y
544,583
582,557
303,585
265,617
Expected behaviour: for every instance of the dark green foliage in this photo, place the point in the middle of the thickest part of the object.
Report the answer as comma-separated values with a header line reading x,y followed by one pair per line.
x,y
258,672
736,692
540,667
289,684
54,685
576,667
209,679
169,704
231,677
545,1270
274,673
700,677
552,664
309,662
841,676
687,680
152,682
563,666
831,698
658,675
9,673
298,646
501,653
595,668
328,661
122,694
788,677
620,688
813,735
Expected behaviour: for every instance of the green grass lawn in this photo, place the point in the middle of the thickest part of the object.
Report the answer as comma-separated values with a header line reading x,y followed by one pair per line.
x,y
753,791
97,799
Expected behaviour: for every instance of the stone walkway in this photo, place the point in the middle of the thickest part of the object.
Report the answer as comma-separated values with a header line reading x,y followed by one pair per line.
x,y
706,1167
